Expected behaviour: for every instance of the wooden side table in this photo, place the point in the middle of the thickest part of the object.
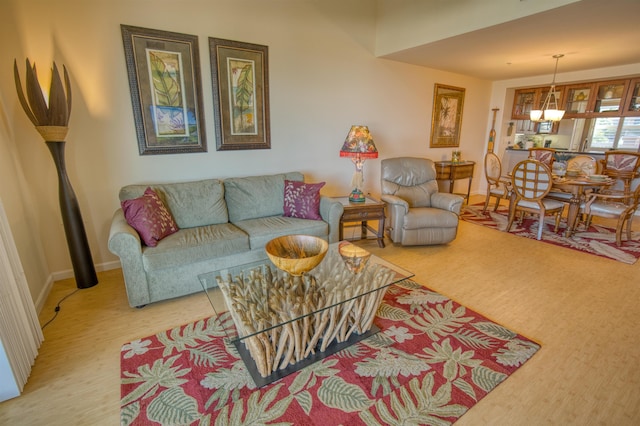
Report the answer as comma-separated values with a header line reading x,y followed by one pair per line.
x,y
361,213
447,170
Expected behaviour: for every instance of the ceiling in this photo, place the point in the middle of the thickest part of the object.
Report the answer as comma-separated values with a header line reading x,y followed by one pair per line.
x,y
590,33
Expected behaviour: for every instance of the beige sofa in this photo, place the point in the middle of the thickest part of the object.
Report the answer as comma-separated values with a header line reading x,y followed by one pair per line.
x,y
223,223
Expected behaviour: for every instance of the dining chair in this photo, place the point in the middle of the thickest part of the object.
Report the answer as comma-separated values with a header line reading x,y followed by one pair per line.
x,y
544,155
623,166
614,206
531,181
498,186
585,163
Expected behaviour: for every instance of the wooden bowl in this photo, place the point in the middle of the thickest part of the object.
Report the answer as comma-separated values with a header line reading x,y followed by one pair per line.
x,y
354,257
296,254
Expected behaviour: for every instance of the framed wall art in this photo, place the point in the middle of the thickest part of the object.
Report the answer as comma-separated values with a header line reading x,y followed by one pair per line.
x,y
446,117
166,93
240,80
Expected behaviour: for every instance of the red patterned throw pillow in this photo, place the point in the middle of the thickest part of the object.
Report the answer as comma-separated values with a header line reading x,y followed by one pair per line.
x,y
302,200
149,216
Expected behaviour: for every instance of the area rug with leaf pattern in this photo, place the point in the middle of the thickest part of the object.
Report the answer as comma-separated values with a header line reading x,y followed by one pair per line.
x,y
431,362
598,240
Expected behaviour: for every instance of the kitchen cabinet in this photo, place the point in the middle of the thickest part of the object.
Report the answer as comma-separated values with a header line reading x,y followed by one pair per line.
x,y
632,104
609,97
578,97
591,99
595,99
527,99
523,102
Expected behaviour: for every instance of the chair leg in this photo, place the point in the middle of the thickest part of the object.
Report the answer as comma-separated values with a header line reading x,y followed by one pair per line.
x,y
486,203
558,217
621,222
587,223
540,225
512,216
629,222
495,207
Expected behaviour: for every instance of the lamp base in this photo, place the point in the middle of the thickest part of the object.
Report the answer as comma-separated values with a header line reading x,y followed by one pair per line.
x,y
356,196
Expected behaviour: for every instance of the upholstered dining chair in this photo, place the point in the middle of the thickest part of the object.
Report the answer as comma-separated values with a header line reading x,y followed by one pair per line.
x,y
544,155
418,213
531,181
614,206
624,167
585,163
498,186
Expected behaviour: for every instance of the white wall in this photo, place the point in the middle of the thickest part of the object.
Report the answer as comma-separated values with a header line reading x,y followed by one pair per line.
x,y
323,78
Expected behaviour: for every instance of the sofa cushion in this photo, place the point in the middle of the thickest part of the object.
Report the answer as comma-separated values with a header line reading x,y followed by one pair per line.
x,y
302,200
264,229
256,196
192,204
195,244
149,216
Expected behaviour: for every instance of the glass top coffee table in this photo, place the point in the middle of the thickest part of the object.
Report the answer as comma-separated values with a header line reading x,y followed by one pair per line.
x,y
284,323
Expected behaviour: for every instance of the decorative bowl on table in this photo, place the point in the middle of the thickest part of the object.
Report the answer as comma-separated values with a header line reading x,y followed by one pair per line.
x,y
296,254
573,173
354,257
598,178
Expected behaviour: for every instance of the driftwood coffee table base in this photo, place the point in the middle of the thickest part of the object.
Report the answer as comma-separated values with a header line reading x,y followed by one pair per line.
x,y
284,323
333,348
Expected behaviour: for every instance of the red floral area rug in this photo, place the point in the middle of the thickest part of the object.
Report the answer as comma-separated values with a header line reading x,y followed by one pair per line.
x,y
431,362
597,240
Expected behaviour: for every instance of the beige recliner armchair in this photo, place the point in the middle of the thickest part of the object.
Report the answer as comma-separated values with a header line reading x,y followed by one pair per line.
x,y
417,213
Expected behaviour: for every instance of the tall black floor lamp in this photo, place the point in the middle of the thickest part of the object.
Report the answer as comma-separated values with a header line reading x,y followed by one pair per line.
x,y
52,123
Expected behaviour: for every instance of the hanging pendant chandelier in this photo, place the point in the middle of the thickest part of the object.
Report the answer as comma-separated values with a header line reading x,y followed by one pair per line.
x,y
550,110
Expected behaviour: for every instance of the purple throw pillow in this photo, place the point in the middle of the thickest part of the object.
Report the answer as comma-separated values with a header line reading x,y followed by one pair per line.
x,y
302,200
149,216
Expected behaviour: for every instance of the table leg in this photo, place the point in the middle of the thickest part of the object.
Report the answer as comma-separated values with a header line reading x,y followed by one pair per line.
x,y
574,209
363,226
341,231
381,232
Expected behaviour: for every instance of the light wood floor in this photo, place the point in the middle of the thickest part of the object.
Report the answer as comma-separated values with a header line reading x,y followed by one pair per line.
x,y
582,309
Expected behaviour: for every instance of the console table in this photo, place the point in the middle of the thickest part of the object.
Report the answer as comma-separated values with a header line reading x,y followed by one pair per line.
x,y
448,170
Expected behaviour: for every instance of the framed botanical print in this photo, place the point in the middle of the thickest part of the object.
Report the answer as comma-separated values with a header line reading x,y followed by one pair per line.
x,y
240,80
446,117
166,93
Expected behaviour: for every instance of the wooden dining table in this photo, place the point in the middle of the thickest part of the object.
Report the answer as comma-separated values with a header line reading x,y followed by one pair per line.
x,y
576,187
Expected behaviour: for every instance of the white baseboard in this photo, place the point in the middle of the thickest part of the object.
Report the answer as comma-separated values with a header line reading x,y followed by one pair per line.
x,y
63,275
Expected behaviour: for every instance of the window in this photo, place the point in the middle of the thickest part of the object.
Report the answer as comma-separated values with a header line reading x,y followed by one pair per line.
x,y
614,133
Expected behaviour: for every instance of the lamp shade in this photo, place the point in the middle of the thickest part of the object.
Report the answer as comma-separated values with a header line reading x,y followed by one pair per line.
x,y
359,143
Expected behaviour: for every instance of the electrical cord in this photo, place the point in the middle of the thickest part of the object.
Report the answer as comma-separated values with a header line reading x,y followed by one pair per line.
x,y
57,308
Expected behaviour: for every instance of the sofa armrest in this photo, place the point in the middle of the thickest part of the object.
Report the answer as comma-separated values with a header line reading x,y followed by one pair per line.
x,y
124,242
447,201
331,212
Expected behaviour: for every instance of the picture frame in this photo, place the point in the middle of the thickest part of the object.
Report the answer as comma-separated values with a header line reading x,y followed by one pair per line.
x,y
240,84
446,116
163,69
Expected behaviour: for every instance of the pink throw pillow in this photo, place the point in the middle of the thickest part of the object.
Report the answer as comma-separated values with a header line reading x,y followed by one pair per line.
x,y
149,216
302,200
